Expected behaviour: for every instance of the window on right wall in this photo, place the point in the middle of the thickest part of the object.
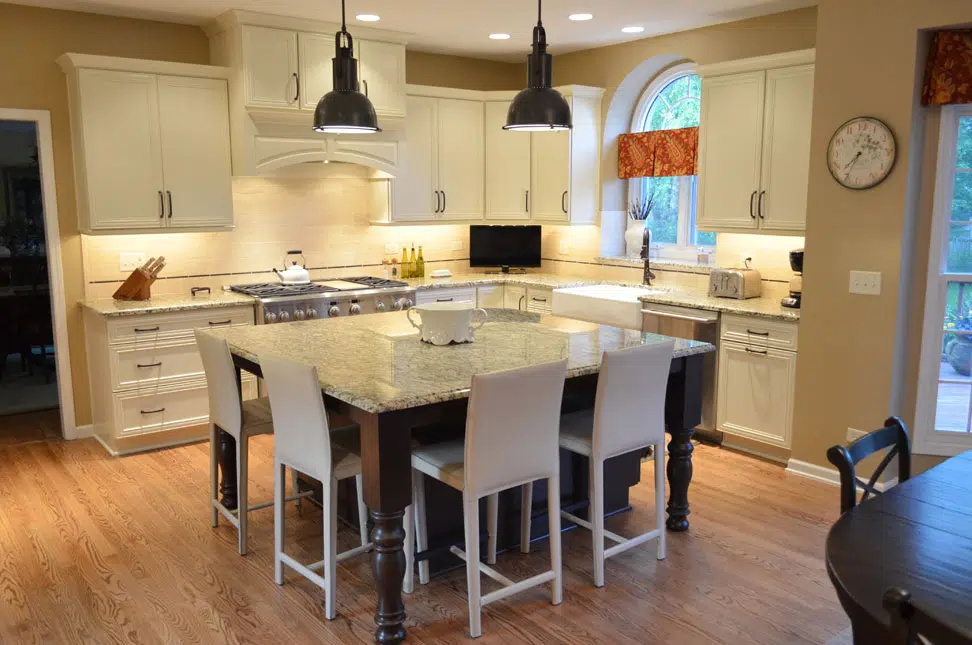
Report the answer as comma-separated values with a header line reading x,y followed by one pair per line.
x,y
673,100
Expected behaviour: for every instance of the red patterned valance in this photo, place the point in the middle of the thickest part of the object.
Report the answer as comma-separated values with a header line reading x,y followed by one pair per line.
x,y
948,77
662,153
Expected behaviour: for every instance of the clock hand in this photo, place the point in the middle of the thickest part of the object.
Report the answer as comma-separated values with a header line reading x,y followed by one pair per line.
x,y
853,161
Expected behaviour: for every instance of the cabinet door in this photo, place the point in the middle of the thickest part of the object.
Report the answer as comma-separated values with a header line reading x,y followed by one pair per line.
x,y
507,167
316,69
514,298
381,73
270,68
585,180
550,194
122,167
196,158
491,297
461,158
756,392
730,139
415,185
786,149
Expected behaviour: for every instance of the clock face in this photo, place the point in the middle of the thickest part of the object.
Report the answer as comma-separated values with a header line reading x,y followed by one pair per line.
x,y
861,153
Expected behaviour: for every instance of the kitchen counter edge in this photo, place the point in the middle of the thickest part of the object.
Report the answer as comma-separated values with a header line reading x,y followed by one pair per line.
x,y
166,304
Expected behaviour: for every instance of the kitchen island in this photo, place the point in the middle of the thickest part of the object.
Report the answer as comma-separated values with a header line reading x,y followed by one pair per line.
x,y
375,370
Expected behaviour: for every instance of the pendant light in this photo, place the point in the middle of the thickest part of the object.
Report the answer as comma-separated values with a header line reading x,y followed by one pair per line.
x,y
539,107
345,110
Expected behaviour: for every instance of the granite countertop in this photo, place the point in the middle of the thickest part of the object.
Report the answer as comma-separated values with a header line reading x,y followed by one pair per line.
x,y
696,298
167,304
378,363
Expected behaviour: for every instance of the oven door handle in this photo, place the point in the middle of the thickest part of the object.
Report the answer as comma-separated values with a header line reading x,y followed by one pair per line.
x,y
668,314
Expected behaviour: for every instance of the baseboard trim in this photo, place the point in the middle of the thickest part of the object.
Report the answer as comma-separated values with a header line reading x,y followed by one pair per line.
x,y
828,475
111,451
85,432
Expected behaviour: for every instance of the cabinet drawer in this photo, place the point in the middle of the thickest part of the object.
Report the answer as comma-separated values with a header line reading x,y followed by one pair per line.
x,y
161,363
149,409
446,295
759,332
156,327
539,301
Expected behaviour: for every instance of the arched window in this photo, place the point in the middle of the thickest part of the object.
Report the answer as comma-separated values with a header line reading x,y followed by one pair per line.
x,y
673,100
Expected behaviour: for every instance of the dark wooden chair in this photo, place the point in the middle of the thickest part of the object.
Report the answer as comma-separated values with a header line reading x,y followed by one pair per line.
x,y
893,437
908,622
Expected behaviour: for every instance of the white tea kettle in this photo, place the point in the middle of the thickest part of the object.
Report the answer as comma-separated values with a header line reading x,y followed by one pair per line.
x,y
295,273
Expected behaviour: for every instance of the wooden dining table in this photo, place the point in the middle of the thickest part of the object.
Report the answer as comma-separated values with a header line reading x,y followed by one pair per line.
x,y
376,371
916,536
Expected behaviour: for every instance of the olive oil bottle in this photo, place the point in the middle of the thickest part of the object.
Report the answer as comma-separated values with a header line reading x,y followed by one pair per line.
x,y
420,265
406,274
413,264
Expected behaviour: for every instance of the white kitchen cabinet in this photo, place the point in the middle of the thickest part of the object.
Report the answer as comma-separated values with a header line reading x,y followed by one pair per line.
x,y
148,387
441,161
754,144
757,379
381,73
467,294
550,176
508,167
151,144
270,68
515,297
316,76
539,301
490,297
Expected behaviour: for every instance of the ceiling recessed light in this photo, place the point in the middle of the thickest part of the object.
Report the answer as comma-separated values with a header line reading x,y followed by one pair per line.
x,y
499,36
632,30
580,17
368,17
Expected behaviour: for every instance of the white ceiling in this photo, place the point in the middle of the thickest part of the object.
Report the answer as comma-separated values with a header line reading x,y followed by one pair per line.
x,y
463,26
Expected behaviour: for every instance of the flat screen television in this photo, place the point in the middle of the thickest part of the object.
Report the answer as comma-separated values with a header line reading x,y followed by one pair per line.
x,y
504,246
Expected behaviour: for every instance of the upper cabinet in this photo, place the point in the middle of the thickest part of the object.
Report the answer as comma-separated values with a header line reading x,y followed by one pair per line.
x,y
754,144
151,144
508,167
271,74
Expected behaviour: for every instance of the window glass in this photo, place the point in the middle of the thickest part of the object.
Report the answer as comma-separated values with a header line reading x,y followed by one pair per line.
x,y
960,226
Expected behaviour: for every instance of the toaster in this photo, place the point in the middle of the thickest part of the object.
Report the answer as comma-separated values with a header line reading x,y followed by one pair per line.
x,y
735,283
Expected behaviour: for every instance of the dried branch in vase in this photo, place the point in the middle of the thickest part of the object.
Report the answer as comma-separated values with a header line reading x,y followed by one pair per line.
x,y
640,208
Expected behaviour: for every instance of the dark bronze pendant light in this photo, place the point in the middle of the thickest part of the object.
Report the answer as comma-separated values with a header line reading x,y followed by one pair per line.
x,y
345,110
539,107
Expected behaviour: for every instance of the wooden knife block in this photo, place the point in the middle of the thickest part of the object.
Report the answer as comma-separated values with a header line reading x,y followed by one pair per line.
x,y
138,286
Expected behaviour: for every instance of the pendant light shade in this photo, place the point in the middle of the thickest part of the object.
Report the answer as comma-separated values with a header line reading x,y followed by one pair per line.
x,y
345,110
539,107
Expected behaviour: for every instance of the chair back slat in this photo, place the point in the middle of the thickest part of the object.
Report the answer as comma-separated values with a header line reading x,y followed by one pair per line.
x,y
894,438
909,622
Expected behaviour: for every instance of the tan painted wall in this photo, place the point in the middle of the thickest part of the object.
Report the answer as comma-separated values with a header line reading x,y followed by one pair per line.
x,y
30,40
465,73
864,358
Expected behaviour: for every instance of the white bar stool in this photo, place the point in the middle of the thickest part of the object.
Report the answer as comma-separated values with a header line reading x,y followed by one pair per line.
x,y
511,438
629,414
303,442
242,420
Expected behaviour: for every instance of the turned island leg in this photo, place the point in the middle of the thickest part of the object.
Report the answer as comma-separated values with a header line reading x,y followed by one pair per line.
x,y
683,412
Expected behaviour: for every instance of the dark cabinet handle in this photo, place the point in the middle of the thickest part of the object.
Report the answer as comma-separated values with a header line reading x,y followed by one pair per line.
x,y
437,207
443,299
527,206
222,322
169,195
152,411
519,304
757,351
759,205
443,201
538,299
364,82
161,205
752,205
297,83
146,330
145,367
196,290
757,333
563,202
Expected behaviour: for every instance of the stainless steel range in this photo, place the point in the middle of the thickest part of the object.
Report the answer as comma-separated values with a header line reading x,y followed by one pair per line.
x,y
327,298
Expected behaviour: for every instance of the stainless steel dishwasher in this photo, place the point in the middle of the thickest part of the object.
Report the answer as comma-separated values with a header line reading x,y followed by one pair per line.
x,y
694,324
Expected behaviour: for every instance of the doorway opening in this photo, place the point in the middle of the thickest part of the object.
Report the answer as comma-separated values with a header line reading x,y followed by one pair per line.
x,y
30,400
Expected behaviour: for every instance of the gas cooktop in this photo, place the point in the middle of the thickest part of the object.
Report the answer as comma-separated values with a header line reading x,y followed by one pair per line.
x,y
337,285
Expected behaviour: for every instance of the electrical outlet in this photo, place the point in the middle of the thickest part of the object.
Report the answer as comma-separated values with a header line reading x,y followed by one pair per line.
x,y
130,261
865,283
391,249
457,245
564,247
853,434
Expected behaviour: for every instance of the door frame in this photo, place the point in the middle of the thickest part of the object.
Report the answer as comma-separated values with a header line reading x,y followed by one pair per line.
x,y
62,355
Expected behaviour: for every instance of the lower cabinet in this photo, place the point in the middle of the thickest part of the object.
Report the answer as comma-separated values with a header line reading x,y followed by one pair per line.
x,y
148,387
491,297
757,380
446,295
514,297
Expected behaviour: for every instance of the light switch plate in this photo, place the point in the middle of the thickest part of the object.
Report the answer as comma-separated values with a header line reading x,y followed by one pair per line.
x,y
130,261
564,247
865,283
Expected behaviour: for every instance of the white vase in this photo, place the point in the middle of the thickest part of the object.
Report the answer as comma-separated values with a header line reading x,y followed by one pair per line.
x,y
634,238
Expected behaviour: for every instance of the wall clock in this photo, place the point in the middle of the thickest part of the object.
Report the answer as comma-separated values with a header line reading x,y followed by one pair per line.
x,y
862,153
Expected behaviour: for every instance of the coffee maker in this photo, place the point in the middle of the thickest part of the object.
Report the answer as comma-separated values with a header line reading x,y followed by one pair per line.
x,y
796,284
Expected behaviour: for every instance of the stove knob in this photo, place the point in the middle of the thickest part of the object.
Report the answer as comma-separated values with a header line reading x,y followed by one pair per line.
x,y
333,312
408,303
284,316
269,318
380,306
311,313
355,309
299,314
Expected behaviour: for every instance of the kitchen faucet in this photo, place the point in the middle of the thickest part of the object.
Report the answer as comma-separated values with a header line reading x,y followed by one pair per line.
x,y
645,246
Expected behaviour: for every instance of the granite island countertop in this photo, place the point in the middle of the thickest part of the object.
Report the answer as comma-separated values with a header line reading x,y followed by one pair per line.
x,y
163,304
664,295
378,363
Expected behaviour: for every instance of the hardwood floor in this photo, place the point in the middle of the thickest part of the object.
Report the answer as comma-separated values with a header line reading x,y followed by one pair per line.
x,y
102,550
